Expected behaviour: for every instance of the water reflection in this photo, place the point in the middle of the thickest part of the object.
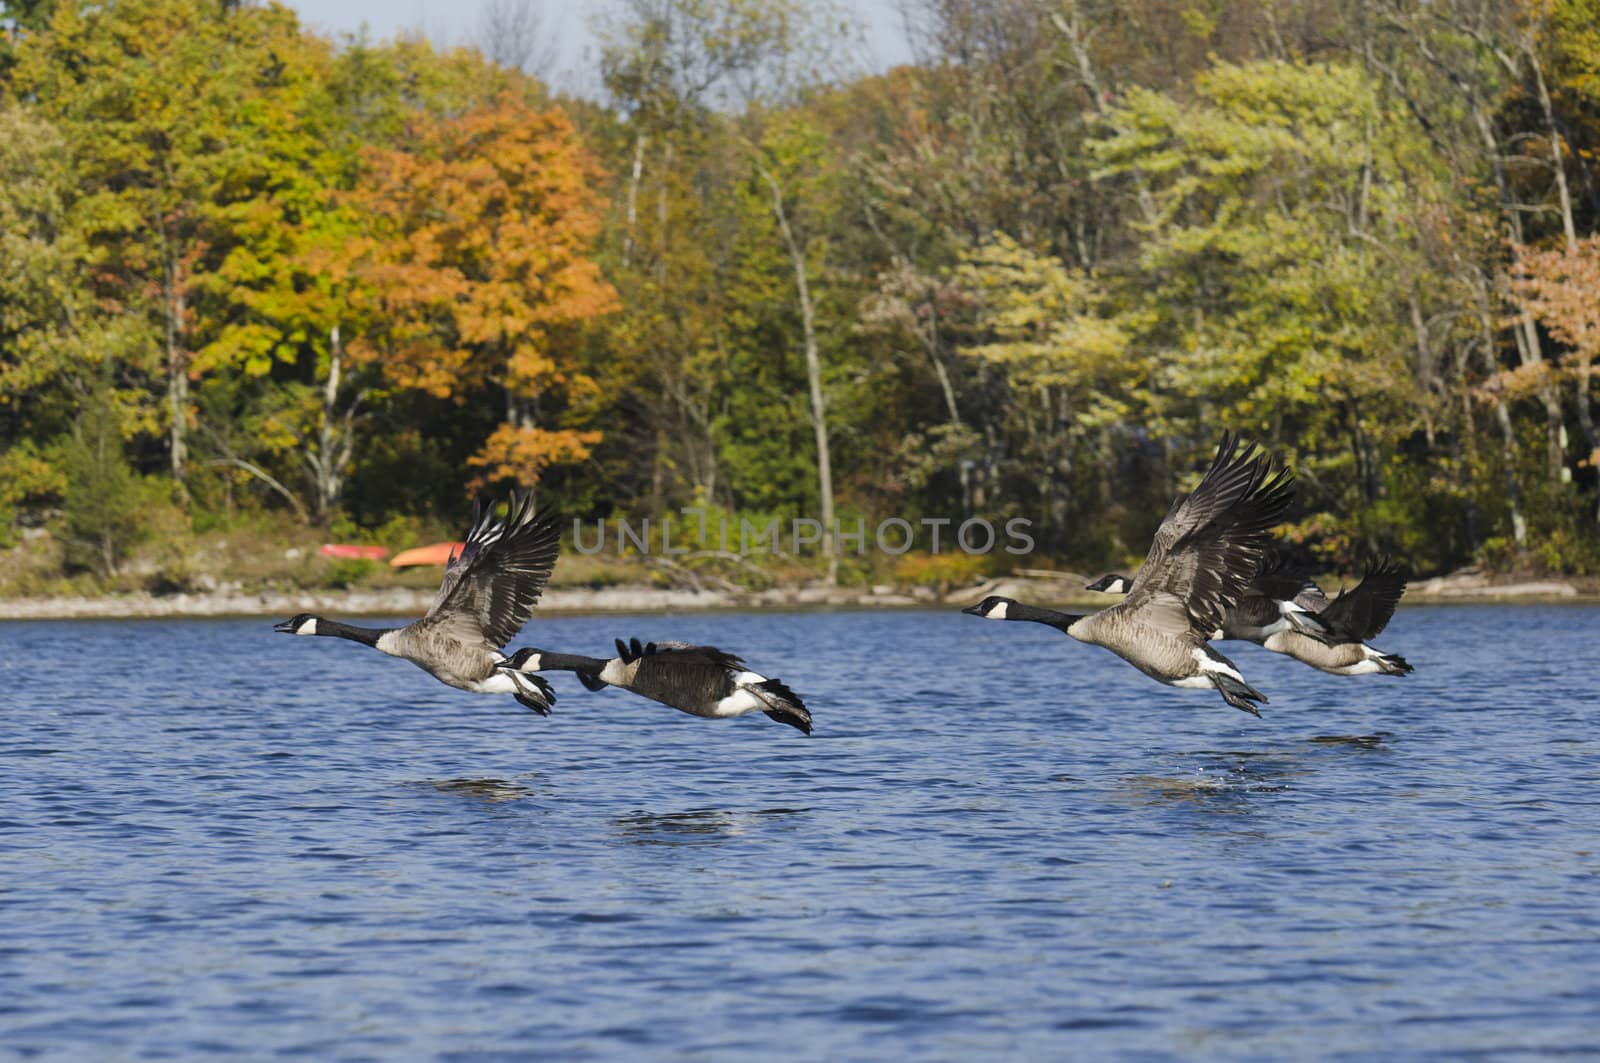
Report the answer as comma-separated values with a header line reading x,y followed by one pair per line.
x,y
493,790
1371,741
695,827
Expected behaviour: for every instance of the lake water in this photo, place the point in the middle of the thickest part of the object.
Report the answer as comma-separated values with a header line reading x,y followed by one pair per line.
x,y
216,841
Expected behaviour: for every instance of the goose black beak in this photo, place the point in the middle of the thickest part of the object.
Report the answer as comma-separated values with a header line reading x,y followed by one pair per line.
x,y
974,610
287,627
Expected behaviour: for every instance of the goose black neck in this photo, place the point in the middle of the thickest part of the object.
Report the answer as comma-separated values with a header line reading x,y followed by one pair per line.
x,y
366,635
570,662
1038,615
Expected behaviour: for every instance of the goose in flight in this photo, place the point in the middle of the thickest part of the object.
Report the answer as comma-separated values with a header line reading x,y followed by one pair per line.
x,y
490,589
1278,598
1202,558
1347,623
1286,612
699,680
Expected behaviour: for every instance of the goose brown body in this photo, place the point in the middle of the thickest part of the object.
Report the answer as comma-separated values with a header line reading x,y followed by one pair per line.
x,y
1201,560
489,591
1285,611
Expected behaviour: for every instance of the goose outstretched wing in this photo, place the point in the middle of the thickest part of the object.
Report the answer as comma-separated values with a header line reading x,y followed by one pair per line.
x,y
684,652
1364,612
1281,580
685,676
491,587
1209,546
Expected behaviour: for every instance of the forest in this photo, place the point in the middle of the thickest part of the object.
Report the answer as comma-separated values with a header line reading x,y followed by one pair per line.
x,y
253,278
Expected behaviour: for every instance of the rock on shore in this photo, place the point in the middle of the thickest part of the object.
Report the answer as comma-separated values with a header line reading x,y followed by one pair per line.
x,y
407,602
1044,588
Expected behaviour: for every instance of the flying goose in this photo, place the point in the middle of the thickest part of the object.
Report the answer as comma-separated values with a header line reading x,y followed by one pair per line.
x,y
1203,556
1288,613
1277,598
699,680
1348,622
489,591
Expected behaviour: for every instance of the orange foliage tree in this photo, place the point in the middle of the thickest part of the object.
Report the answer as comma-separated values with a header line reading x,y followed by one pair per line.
x,y
477,263
1561,288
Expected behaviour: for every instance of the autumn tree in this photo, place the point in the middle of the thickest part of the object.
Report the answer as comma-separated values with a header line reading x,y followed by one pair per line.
x,y
147,95
1561,288
477,264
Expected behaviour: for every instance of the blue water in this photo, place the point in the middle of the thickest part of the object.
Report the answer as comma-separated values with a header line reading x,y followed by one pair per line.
x,y
216,841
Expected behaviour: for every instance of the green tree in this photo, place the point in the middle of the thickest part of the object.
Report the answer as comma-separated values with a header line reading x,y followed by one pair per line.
x,y
101,505
59,345
1281,227
149,97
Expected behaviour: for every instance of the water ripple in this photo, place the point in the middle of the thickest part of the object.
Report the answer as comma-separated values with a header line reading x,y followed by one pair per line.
x,y
997,844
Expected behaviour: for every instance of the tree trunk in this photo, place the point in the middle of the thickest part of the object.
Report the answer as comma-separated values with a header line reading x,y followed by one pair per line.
x,y
1508,434
1070,26
1527,335
1426,375
633,197
1558,164
931,341
177,378
819,413
1464,447
335,436
330,480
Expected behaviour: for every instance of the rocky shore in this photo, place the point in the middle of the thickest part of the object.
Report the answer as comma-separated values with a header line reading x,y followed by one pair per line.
x,y
407,602
1053,588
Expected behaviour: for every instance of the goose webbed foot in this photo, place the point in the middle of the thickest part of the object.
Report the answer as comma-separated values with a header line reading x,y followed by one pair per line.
x,y
1238,694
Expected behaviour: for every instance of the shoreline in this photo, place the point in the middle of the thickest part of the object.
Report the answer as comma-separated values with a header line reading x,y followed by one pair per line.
x,y
394,602
1464,588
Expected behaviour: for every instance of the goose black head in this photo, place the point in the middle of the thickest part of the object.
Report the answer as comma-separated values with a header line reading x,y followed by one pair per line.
x,y
1110,584
524,660
993,607
304,624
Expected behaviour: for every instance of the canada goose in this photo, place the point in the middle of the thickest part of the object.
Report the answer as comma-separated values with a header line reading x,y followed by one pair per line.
x,y
700,680
1287,613
1348,622
1277,598
489,591
1203,555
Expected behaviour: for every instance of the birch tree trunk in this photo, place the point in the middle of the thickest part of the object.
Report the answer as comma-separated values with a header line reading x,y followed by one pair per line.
x,y
335,435
819,410
177,376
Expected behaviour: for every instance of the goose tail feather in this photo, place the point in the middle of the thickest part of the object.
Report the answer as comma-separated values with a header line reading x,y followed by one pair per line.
x,y
1394,664
783,704
533,692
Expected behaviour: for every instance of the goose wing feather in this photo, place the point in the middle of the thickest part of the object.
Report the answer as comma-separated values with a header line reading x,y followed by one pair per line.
x,y
1209,546
491,587
687,651
1364,612
688,677
1281,580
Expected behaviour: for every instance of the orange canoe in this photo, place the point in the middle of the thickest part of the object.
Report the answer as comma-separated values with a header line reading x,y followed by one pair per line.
x,y
350,550
437,554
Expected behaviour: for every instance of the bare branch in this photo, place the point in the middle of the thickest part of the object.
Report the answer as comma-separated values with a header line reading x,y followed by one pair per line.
x,y
265,477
